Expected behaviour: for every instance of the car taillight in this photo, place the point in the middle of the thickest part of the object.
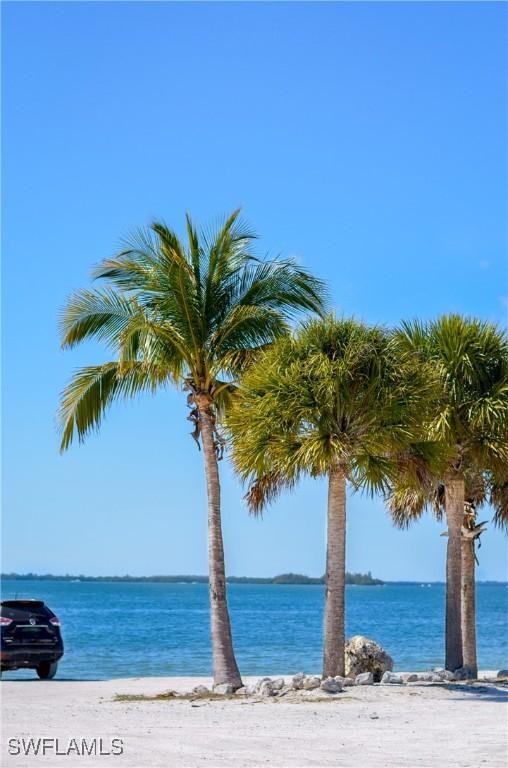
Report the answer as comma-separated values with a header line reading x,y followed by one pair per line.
x,y
4,621
55,621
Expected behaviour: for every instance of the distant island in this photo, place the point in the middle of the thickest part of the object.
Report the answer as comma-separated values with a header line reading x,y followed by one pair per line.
x,y
283,578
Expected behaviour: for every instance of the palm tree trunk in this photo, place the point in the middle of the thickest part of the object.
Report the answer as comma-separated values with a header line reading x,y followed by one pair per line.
x,y
469,606
225,669
454,506
333,653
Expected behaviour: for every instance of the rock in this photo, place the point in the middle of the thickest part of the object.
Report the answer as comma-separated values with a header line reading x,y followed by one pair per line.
x,y
464,673
429,677
502,673
278,684
364,655
445,674
261,681
311,682
331,685
297,681
241,691
201,690
266,689
224,688
364,678
391,678
251,690
424,677
409,677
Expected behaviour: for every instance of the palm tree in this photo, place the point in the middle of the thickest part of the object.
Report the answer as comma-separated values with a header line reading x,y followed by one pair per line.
x,y
331,401
407,504
470,426
191,314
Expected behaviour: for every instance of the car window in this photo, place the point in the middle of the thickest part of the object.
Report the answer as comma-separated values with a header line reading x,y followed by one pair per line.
x,y
18,610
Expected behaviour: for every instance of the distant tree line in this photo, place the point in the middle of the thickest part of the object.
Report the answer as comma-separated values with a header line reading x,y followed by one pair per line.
x,y
284,578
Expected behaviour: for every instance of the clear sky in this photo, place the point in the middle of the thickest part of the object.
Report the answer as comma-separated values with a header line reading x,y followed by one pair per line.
x,y
367,139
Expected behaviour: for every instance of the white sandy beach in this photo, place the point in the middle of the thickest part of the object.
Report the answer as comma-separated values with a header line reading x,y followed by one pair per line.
x,y
363,727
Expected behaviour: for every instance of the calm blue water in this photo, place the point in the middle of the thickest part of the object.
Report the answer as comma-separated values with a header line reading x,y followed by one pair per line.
x,y
132,630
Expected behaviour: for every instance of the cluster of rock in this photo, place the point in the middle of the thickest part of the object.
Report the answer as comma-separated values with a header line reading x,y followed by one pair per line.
x,y
267,687
366,663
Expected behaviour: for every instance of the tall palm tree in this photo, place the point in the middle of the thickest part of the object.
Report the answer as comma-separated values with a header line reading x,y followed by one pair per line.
x,y
470,425
407,503
191,314
331,401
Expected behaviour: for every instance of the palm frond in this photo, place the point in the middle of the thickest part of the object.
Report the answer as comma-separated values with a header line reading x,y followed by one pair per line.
x,y
194,313
92,390
96,314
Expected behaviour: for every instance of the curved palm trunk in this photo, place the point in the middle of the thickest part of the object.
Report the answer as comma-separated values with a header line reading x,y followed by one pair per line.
x,y
225,669
333,654
469,606
454,506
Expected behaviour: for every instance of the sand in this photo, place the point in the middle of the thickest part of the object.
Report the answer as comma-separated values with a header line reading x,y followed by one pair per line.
x,y
364,727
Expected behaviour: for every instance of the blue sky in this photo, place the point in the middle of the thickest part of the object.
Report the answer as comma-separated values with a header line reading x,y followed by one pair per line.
x,y
368,140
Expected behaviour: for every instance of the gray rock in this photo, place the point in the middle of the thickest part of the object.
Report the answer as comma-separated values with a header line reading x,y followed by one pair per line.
x,y
429,677
502,673
391,678
364,655
344,681
266,689
224,688
409,677
364,678
464,673
297,681
278,684
331,685
250,690
311,682
445,675
241,691
201,690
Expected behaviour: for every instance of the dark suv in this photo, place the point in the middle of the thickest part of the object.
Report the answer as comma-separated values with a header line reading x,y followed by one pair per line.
x,y
31,637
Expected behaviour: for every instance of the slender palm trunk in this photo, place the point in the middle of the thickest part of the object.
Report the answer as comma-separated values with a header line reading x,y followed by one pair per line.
x,y
469,606
454,505
333,655
225,669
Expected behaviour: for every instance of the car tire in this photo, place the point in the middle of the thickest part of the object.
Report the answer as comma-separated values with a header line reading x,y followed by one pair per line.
x,y
46,670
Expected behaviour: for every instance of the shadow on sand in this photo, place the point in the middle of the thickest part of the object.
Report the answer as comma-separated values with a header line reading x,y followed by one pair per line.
x,y
483,692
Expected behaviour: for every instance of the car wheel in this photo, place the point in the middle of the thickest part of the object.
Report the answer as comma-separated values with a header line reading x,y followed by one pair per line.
x,y
46,670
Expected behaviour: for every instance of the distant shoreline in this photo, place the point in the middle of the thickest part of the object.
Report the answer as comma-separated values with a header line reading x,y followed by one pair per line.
x,y
358,579
284,578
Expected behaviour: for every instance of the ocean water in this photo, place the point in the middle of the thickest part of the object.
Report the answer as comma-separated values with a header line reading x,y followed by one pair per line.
x,y
142,629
